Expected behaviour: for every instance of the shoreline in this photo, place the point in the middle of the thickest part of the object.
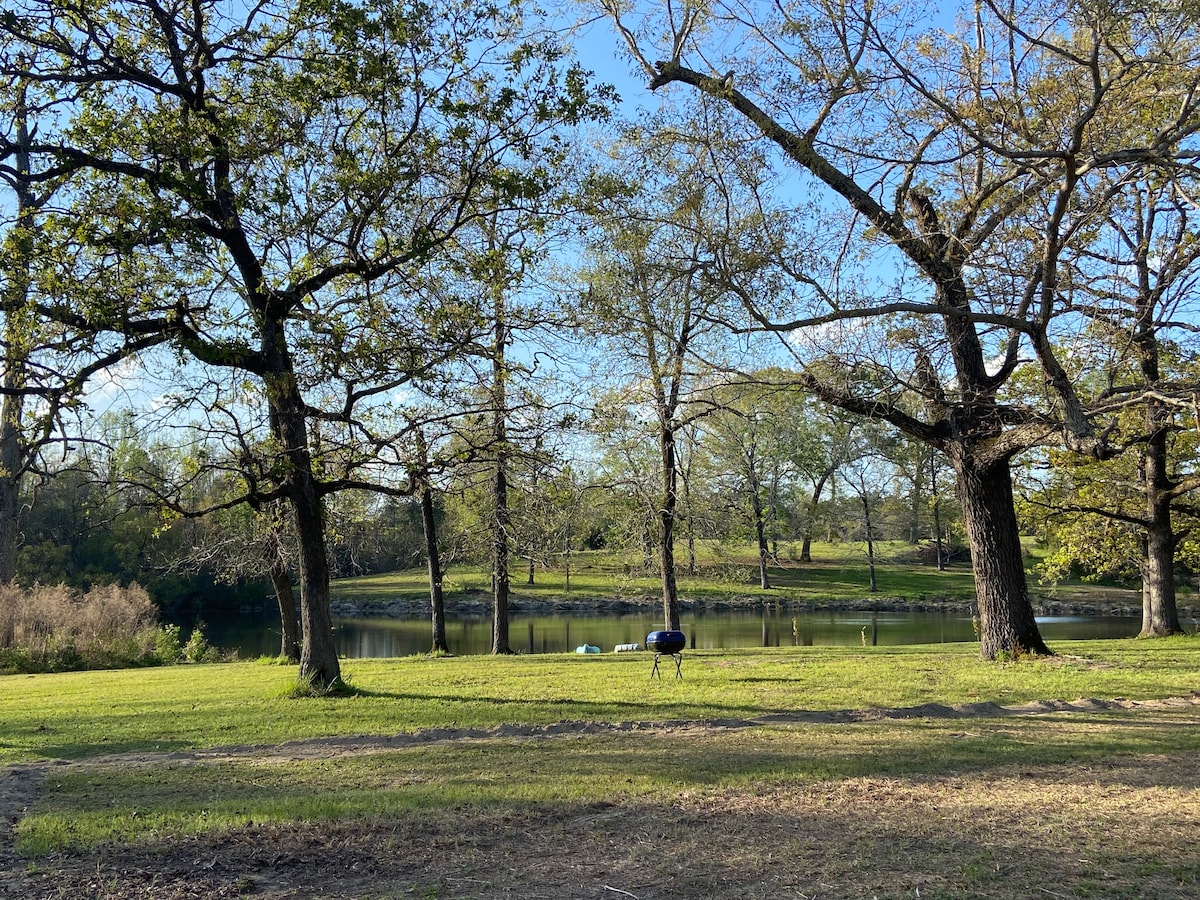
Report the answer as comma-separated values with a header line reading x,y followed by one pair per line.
x,y
479,603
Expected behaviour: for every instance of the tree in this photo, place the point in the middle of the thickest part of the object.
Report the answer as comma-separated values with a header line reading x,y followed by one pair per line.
x,y
969,162
501,521
817,442
433,553
1151,274
646,299
242,544
628,468
748,436
289,175
48,362
868,471
18,265
543,515
498,258
1139,282
92,518
937,503
567,515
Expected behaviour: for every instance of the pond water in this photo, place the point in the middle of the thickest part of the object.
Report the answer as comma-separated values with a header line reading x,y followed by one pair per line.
x,y
257,634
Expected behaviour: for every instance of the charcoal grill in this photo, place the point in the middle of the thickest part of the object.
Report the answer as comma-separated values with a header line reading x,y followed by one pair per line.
x,y
667,643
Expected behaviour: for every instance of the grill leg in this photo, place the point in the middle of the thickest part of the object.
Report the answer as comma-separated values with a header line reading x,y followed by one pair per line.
x,y
678,657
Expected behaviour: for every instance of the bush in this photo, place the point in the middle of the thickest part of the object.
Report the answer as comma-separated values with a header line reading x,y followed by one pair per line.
x,y
197,649
167,646
57,629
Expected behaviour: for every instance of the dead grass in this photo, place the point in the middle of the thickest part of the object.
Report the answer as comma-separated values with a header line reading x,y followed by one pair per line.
x,y
55,627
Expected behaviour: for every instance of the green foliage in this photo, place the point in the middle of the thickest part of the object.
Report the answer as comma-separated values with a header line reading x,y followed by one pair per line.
x,y
281,208
167,647
332,143
197,648
368,534
83,528
1092,548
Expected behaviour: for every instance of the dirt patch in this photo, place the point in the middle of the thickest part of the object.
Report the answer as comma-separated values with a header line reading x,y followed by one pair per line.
x,y
1127,826
19,790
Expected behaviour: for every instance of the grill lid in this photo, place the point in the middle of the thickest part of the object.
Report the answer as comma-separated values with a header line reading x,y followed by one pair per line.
x,y
666,641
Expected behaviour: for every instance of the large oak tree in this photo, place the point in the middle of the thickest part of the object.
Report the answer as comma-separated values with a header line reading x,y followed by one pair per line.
x,y
962,162
290,171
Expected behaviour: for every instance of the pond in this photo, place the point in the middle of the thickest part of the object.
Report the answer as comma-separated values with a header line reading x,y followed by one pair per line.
x,y
257,634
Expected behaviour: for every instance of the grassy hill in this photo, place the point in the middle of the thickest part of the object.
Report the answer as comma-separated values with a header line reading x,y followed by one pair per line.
x,y
837,575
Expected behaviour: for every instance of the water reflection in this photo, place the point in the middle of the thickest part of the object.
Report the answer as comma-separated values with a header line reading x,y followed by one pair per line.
x,y
362,638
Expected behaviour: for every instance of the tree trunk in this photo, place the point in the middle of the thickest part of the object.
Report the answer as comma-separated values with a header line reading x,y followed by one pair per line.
x,y
433,556
918,501
1007,625
1160,616
868,525
760,533
289,423
15,296
318,654
437,605
764,555
818,490
500,520
11,467
666,530
500,579
937,513
289,623
773,513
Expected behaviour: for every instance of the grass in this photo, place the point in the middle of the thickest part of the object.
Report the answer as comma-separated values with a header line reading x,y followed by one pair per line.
x,y
838,573
550,776
99,805
174,782
77,715
560,775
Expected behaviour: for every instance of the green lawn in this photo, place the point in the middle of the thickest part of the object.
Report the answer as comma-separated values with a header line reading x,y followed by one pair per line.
x,y
490,777
81,714
838,573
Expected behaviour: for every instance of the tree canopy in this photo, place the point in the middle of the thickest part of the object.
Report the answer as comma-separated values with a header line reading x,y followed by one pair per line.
x,y
335,230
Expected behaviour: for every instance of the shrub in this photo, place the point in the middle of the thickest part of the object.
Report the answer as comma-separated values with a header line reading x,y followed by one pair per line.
x,y
197,648
57,629
167,646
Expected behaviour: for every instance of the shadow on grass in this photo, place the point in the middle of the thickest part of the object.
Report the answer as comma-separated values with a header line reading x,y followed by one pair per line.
x,y
127,749
849,766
